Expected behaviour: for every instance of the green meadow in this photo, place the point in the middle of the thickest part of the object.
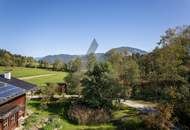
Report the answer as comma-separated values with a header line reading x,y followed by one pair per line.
x,y
56,77
22,72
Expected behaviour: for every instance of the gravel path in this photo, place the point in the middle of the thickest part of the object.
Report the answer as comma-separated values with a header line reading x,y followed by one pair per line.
x,y
138,104
36,76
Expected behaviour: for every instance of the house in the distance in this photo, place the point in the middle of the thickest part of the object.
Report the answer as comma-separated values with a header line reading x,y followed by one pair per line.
x,y
12,101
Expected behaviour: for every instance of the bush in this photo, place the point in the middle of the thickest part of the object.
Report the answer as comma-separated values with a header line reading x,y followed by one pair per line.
x,y
162,119
73,81
53,123
83,115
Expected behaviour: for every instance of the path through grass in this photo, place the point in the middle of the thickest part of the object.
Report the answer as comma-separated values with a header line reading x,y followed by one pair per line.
x,y
57,77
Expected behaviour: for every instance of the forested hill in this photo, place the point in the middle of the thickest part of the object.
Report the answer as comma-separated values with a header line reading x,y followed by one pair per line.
x,y
9,59
130,50
100,56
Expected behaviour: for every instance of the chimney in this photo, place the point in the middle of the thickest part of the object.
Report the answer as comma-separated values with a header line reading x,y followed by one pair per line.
x,y
7,75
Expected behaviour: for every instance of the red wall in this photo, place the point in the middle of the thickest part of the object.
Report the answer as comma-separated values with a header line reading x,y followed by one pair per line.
x,y
10,105
1,125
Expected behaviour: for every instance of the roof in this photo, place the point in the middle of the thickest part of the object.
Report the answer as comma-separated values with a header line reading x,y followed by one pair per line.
x,y
18,83
9,92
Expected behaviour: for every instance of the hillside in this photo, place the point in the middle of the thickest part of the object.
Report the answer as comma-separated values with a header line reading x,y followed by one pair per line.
x,y
131,50
100,56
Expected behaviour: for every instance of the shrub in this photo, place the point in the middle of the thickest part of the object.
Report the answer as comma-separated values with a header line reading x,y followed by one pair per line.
x,y
53,123
73,81
162,119
83,115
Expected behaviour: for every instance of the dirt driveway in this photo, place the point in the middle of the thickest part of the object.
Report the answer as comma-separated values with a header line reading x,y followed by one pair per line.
x,y
138,104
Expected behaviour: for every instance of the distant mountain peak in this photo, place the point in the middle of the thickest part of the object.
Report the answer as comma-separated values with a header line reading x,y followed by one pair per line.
x,y
130,50
100,56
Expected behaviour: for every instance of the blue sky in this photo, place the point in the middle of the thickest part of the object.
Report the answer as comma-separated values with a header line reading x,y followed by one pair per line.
x,y
41,27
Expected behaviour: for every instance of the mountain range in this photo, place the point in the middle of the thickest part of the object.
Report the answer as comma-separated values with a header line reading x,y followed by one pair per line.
x,y
99,56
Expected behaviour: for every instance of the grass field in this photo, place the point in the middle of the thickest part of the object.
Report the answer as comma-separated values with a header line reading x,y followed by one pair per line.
x,y
24,72
21,72
41,81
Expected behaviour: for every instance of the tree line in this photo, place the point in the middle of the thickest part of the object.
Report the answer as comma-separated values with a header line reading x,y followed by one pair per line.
x,y
9,59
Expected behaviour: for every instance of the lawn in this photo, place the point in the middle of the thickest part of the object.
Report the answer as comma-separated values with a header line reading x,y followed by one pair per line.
x,y
128,118
57,77
21,72
127,111
24,72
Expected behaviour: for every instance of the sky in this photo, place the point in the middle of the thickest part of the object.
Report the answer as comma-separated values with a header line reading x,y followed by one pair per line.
x,y
45,27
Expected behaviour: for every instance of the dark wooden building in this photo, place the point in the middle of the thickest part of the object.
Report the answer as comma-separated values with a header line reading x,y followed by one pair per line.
x,y
12,106
12,101
62,87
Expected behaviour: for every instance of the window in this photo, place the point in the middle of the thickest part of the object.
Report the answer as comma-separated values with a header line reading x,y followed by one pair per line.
x,y
5,123
13,118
